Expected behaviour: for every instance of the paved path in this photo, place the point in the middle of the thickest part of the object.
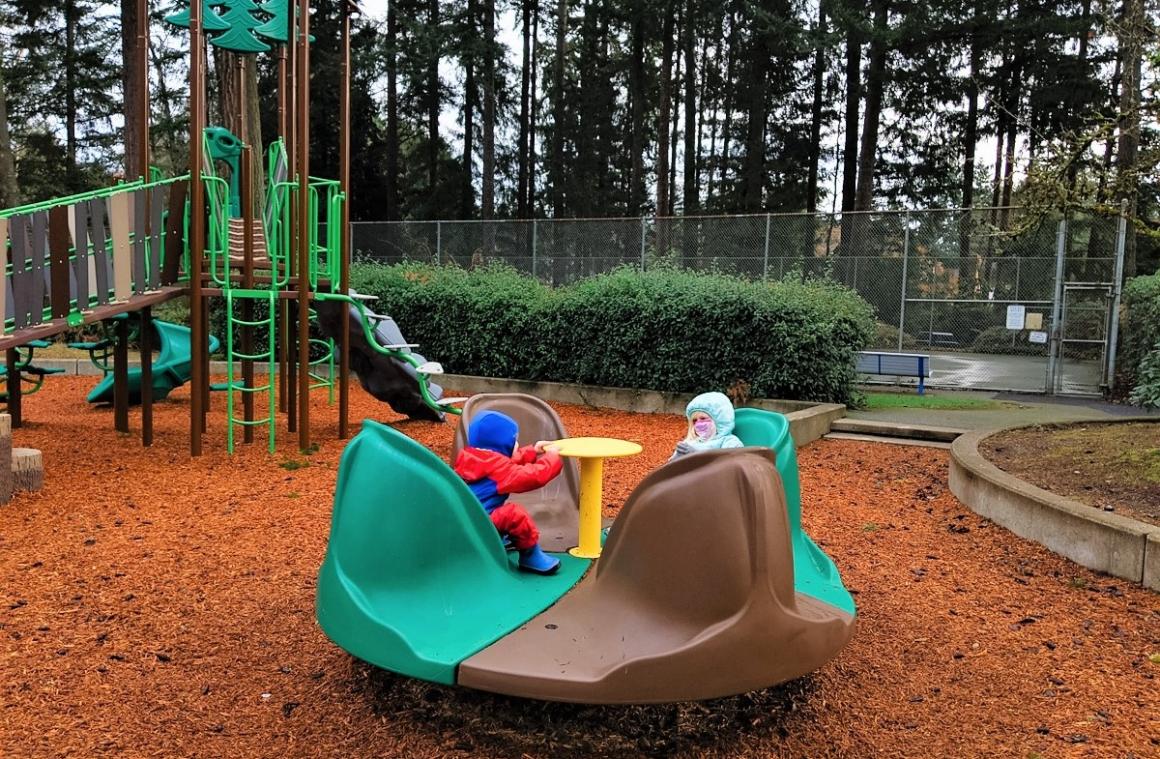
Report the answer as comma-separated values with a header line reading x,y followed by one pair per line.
x,y
983,371
1016,409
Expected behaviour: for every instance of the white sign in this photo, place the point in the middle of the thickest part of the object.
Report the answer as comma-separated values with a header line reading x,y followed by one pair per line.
x,y
1015,316
1038,337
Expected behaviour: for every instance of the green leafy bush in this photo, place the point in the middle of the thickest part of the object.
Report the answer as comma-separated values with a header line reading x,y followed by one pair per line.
x,y
1139,328
886,338
1146,393
665,329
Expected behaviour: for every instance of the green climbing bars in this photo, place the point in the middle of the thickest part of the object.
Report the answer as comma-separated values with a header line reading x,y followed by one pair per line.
x,y
268,356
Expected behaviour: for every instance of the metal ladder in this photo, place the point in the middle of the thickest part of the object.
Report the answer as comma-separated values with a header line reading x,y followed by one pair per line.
x,y
233,385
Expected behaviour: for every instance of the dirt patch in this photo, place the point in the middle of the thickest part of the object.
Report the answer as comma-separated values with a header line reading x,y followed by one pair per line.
x,y
157,605
1111,467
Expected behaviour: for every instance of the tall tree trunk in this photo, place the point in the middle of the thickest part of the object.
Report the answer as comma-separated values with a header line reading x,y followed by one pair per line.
x,y
71,19
1012,136
753,170
816,110
392,157
467,189
636,94
535,108
9,188
558,116
875,86
853,100
1132,30
487,193
525,82
664,110
730,93
850,147
970,142
433,55
690,201
675,129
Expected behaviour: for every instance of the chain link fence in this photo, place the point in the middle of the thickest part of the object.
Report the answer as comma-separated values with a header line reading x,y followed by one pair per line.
x,y
946,283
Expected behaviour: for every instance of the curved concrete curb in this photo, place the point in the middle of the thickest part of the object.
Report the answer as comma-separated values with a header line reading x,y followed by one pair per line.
x,y
1106,542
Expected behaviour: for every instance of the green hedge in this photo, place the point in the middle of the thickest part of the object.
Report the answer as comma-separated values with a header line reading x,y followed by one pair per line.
x,y
1139,328
665,329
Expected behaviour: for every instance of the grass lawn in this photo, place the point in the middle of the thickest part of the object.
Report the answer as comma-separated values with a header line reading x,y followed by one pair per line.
x,y
879,401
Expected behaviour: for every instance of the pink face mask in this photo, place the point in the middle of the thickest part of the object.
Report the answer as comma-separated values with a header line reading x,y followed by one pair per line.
x,y
703,428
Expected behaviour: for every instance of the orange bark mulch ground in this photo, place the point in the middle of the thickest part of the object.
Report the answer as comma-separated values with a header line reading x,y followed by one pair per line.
x,y
156,605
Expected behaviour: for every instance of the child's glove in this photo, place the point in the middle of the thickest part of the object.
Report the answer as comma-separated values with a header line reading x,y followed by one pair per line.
x,y
683,447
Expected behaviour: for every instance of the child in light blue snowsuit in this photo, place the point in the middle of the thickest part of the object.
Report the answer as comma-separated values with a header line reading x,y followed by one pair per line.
x,y
710,418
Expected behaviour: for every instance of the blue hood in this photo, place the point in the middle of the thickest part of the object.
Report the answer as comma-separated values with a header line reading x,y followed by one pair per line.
x,y
493,431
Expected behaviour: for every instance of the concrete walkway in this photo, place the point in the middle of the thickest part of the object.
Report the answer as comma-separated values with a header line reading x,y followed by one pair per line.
x,y
1014,409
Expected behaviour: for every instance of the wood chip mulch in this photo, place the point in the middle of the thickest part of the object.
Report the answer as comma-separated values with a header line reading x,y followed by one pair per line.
x,y
157,605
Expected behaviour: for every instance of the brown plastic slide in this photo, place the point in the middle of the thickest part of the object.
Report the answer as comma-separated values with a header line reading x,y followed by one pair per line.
x,y
554,507
692,599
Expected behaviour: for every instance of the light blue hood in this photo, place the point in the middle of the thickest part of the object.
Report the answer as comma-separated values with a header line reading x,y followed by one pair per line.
x,y
720,410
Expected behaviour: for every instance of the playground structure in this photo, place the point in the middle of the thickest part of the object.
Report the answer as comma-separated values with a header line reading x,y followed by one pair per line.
x,y
707,585
102,256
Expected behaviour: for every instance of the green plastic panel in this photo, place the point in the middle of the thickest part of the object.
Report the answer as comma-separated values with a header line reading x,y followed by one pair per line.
x,y
814,573
170,368
415,578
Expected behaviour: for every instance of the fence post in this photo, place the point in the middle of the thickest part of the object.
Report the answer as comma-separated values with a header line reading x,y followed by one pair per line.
x,y
1117,288
643,232
765,255
439,242
905,260
1053,355
533,247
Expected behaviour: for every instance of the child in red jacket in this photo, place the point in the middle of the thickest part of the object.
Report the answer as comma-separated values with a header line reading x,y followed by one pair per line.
x,y
494,467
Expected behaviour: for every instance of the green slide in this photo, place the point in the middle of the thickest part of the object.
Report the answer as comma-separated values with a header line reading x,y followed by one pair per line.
x,y
170,367
814,573
416,578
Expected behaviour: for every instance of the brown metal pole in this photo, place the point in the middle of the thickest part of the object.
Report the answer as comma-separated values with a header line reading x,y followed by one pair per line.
x,y
143,102
145,343
121,377
196,229
304,251
344,264
14,393
287,395
248,283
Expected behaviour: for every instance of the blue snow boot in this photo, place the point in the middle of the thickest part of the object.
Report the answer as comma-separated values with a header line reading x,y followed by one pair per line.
x,y
535,560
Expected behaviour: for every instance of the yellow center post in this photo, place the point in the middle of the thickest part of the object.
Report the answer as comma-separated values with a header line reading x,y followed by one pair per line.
x,y
592,451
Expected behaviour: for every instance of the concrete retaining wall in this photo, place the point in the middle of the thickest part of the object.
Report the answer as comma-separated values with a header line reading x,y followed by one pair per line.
x,y
808,421
1106,542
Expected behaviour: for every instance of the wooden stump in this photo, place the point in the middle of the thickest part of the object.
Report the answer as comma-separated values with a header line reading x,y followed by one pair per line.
x,y
27,469
5,458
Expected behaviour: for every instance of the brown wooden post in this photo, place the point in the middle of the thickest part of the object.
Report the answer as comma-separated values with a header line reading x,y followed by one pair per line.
x,y
145,344
344,264
198,337
121,377
304,228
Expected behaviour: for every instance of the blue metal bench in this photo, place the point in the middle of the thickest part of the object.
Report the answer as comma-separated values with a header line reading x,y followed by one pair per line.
x,y
896,365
